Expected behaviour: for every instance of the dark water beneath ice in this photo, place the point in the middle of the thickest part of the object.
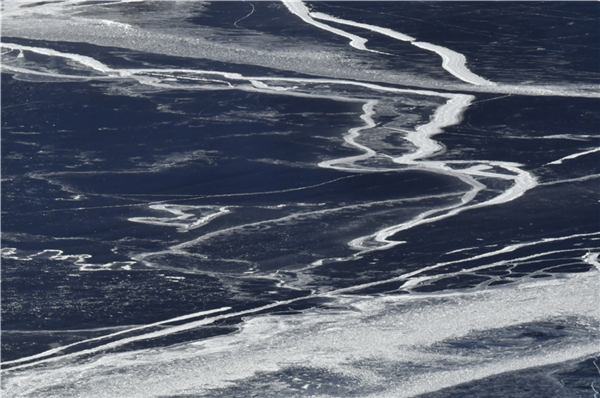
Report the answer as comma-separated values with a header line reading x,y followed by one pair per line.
x,y
225,199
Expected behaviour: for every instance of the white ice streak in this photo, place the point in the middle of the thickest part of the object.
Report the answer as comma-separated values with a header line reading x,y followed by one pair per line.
x,y
17,70
81,59
378,29
446,115
414,281
452,61
244,17
589,258
298,8
52,254
380,239
421,138
182,220
109,336
569,180
180,248
592,259
58,255
573,156
350,138
387,333
152,77
261,85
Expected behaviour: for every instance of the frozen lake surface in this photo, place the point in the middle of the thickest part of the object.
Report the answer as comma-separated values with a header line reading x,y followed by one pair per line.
x,y
288,199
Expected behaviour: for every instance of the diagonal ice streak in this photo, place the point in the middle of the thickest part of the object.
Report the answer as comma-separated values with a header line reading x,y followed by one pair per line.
x,y
452,61
425,147
298,8
455,63
421,138
574,156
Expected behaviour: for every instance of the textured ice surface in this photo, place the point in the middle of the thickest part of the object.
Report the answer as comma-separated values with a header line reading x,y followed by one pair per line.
x,y
299,199
362,346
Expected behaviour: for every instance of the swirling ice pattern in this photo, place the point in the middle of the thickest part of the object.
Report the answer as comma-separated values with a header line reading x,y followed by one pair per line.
x,y
421,138
425,147
185,218
453,62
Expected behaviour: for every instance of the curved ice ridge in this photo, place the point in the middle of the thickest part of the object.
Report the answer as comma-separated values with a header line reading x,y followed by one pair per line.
x,y
414,276
452,61
446,115
263,339
81,59
411,278
123,340
536,300
384,31
182,220
421,138
573,156
58,255
298,8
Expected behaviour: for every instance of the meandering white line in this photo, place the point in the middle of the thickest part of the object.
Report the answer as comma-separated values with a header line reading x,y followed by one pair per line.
x,y
452,61
294,216
81,59
241,19
107,336
523,181
378,29
573,156
455,63
350,138
298,8
568,180
411,279
180,218
446,115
